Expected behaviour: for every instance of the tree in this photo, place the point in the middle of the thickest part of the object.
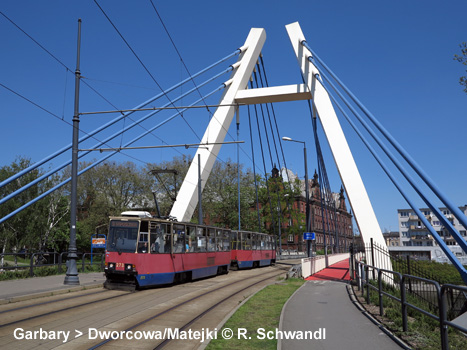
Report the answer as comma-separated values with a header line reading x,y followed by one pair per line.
x,y
165,185
280,196
220,194
220,197
462,59
17,230
107,190
41,225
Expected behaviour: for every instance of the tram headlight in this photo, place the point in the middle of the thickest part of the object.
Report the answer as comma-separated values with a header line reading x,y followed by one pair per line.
x,y
129,267
111,266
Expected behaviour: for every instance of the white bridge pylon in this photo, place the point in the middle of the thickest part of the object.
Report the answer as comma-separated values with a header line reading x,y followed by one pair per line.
x,y
236,92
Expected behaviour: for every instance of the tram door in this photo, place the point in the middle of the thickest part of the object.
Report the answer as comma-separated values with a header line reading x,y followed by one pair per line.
x,y
178,246
211,247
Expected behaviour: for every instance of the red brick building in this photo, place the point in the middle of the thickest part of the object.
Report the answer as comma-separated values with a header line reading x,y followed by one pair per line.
x,y
332,227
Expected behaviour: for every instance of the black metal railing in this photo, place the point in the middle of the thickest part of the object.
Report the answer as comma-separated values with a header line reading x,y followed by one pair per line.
x,y
47,259
456,299
400,287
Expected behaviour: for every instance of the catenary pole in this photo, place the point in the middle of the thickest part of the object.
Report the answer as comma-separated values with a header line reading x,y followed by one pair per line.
x,y
72,271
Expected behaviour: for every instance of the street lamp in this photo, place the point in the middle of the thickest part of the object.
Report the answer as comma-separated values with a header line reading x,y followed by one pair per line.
x,y
307,195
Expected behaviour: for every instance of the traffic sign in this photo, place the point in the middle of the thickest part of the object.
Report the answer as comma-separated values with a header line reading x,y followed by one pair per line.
x,y
309,236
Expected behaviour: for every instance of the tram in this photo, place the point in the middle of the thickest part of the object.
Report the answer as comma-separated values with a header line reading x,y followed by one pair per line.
x,y
143,251
251,249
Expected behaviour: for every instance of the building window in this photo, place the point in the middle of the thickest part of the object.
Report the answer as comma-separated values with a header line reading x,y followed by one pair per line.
x,y
404,214
426,212
404,224
290,238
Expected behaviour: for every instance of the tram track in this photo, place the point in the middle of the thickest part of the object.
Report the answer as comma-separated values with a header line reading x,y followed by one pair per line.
x,y
51,302
146,309
186,302
210,309
57,311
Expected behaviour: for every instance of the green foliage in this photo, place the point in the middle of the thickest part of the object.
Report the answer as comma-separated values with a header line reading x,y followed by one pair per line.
x,y
462,59
110,188
441,272
423,331
106,190
277,201
42,232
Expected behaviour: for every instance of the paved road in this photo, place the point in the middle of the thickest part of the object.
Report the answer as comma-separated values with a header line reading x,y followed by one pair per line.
x,y
325,308
15,290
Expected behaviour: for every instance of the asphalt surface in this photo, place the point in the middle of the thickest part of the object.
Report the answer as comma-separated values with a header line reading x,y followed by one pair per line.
x,y
325,309
29,288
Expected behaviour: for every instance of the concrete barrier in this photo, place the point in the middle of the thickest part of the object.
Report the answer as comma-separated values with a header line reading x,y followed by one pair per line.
x,y
310,266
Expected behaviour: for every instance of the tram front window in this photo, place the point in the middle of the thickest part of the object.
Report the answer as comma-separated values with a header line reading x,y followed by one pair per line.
x,y
123,236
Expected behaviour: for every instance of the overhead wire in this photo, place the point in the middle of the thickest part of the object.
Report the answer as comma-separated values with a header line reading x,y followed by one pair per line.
x,y
93,165
109,138
264,166
141,62
178,52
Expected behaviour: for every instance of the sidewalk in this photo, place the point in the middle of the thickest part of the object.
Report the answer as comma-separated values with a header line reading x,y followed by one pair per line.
x,y
29,288
322,306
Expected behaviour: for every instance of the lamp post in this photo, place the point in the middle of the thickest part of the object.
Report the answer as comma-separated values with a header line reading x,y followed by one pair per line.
x,y
307,194
71,277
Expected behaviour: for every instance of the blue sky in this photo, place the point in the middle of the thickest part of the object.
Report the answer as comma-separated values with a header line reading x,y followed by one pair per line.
x,y
396,57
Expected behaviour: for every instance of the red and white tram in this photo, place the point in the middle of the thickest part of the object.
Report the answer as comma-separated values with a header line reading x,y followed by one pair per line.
x,y
251,249
143,251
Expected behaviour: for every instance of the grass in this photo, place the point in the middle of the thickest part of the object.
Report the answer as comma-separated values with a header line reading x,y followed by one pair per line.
x,y
263,310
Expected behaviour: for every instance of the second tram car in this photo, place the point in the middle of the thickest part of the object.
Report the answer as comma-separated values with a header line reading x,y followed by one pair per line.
x,y
251,249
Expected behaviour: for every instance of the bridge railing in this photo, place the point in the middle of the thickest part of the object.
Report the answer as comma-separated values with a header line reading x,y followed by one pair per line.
x,y
456,299
310,266
422,295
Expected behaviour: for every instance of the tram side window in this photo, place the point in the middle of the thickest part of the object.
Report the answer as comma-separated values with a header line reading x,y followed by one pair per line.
x,y
268,243
211,240
219,239
160,239
253,241
263,239
143,242
179,238
191,239
226,241
233,240
200,239
246,241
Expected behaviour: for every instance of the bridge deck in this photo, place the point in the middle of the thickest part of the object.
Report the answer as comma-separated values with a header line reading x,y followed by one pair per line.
x,y
322,305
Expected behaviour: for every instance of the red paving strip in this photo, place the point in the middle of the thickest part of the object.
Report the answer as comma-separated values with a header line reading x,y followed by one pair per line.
x,y
336,272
